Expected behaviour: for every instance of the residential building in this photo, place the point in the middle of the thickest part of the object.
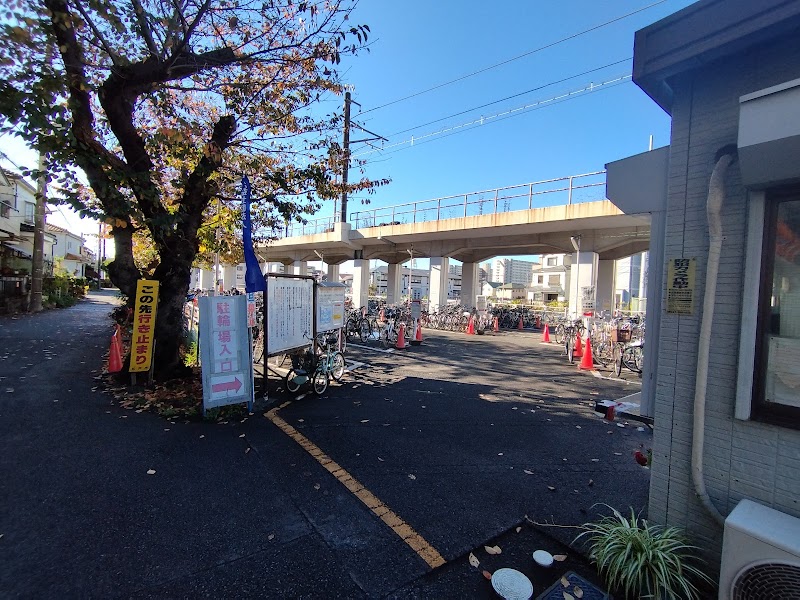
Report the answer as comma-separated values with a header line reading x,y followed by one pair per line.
x,y
511,270
630,278
722,378
69,254
489,288
510,292
550,279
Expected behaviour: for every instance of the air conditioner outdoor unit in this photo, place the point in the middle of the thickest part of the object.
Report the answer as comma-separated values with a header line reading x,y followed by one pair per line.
x,y
760,554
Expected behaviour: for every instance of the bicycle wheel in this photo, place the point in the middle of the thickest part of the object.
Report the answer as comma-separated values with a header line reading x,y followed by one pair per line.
x,y
337,366
289,382
559,333
638,358
320,382
385,338
617,360
364,330
569,343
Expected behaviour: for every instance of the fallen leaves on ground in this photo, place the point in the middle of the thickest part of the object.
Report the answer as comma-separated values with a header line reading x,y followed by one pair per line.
x,y
473,560
487,575
493,549
559,557
412,476
151,472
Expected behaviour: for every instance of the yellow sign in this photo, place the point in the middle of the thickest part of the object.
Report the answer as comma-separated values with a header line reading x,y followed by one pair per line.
x,y
144,325
680,286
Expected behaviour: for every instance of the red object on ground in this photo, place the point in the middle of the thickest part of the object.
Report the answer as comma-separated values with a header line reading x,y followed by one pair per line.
x,y
471,326
578,353
418,336
546,336
496,327
640,458
401,337
114,354
587,362
521,324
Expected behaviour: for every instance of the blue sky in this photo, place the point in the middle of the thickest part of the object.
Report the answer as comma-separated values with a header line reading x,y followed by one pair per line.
x,y
419,44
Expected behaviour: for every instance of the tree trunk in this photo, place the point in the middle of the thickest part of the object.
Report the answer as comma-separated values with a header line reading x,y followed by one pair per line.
x,y
122,270
174,274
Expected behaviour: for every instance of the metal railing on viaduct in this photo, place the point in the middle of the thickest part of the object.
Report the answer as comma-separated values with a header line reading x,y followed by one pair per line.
x,y
586,187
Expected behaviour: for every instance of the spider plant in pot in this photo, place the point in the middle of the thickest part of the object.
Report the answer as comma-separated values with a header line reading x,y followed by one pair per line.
x,y
643,560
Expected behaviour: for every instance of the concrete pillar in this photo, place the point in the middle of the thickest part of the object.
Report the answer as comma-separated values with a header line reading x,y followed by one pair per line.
x,y
333,273
582,274
394,284
469,284
604,300
439,279
655,295
298,267
360,283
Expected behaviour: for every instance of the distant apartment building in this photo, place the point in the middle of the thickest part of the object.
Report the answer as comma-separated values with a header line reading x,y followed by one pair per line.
x,y
511,270
420,282
630,276
550,279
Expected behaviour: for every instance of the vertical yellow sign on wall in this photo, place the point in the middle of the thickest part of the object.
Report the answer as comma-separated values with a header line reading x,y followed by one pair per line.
x,y
680,286
144,325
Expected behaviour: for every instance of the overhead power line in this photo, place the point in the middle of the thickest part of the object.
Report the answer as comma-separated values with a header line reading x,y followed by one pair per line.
x,y
505,62
536,89
417,140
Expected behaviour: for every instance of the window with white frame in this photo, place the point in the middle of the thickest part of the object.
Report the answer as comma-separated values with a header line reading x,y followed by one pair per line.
x,y
552,261
30,209
768,386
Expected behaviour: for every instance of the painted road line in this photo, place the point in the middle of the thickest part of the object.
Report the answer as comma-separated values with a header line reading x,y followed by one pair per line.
x,y
625,381
353,364
384,350
406,533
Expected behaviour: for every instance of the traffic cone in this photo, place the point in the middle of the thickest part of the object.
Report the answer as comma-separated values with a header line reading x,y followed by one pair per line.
x,y
471,326
418,336
546,336
401,337
496,327
521,324
587,363
114,355
578,352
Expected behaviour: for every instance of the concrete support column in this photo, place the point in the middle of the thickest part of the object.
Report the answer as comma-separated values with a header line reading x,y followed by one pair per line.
x,y
583,273
360,282
604,299
439,278
655,296
394,284
299,267
333,273
469,284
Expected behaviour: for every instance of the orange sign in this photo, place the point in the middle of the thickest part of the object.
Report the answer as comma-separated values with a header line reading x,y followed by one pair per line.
x,y
144,325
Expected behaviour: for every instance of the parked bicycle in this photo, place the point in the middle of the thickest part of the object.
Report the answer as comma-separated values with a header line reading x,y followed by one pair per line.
x,y
318,365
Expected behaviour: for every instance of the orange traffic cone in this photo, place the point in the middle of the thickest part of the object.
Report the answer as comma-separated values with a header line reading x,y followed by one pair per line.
x,y
401,337
587,363
578,352
496,327
114,356
546,336
521,324
471,326
418,336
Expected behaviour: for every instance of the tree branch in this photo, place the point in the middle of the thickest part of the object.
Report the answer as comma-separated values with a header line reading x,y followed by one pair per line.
x,y
111,54
144,27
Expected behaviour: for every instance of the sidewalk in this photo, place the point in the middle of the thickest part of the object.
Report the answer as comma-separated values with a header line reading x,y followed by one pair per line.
x,y
232,510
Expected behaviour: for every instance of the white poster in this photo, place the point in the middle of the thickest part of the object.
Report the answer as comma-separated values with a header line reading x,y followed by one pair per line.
x,y
290,313
330,307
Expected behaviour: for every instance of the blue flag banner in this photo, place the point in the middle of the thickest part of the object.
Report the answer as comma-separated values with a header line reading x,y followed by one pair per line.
x,y
253,277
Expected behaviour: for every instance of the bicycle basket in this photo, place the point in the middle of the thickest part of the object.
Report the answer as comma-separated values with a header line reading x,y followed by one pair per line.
x,y
621,335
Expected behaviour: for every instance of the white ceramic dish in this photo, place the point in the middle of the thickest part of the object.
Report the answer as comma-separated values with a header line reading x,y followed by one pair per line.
x,y
543,558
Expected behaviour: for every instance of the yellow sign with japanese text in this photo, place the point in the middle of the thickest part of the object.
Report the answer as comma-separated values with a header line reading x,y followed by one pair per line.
x,y
144,325
680,286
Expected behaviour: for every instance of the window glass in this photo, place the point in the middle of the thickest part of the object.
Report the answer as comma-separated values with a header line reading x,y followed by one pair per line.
x,y
782,376
554,280
552,261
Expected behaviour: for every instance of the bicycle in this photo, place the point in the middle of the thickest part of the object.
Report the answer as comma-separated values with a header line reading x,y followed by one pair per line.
x,y
630,356
322,361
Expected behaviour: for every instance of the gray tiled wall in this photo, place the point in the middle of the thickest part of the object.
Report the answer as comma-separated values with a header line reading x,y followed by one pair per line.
x,y
742,459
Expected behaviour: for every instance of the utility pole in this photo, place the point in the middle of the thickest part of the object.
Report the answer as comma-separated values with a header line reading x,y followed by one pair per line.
x,y
99,252
346,157
37,268
37,275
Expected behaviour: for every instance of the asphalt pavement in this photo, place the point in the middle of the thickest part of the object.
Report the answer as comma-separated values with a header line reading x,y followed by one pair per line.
x,y
419,458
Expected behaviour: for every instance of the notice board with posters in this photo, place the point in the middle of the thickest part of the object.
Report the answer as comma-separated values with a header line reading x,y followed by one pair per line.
x,y
144,325
289,310
680,286
225,351
330,306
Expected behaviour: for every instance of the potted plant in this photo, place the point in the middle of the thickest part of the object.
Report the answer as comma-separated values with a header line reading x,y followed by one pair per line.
x,y
643,560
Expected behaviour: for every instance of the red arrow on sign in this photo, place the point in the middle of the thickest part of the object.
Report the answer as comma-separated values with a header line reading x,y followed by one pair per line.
x,y
227,386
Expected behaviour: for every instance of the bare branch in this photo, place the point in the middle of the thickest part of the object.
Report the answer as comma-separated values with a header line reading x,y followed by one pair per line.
x,y
144,28
111,54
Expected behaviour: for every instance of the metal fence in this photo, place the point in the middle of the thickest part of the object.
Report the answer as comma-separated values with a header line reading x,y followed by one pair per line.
x,y
586,187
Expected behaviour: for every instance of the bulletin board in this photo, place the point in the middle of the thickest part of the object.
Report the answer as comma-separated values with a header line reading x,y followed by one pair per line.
x,y
289,315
